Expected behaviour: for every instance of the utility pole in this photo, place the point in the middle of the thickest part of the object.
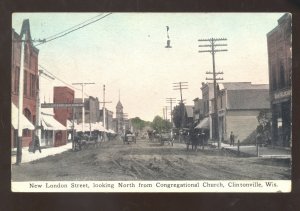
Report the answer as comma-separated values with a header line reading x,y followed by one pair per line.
x,y
82,92
171,100
166,110
180,86
104,111
213,50
20,111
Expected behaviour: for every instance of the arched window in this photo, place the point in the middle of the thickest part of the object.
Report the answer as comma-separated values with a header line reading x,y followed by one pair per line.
x,y
27,114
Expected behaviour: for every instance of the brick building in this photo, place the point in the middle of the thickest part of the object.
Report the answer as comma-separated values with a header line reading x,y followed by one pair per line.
x,y
280,79
30,78
63,95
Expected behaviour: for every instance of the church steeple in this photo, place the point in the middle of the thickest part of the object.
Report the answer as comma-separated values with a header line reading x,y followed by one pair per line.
x,y
119,106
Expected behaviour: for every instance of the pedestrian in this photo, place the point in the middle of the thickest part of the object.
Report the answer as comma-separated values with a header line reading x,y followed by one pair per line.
x,y
36,144
77,142
231,139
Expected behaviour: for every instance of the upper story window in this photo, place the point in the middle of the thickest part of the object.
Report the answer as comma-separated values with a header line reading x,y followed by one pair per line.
x,y
32,85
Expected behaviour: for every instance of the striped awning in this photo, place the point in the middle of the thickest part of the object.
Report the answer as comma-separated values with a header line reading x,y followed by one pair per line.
x,y
25,123
203,124
49,123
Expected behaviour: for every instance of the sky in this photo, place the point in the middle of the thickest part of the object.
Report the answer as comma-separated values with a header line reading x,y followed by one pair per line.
x,y
126,52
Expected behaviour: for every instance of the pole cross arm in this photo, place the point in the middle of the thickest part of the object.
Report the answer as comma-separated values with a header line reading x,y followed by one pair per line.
x,y
221,50
209,51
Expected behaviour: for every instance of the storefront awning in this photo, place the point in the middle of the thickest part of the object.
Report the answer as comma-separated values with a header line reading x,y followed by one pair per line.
x,y
70,125
111,131
204,124
25,123
49,123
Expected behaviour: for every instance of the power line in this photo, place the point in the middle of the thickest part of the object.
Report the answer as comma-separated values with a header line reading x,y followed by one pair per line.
x,y
73,30
69,85
72,27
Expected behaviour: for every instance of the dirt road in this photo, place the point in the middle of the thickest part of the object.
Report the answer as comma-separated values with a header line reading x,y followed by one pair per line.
x,y
149,161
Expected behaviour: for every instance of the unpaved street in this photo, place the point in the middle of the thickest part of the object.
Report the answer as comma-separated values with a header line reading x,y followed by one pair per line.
x,y
149,161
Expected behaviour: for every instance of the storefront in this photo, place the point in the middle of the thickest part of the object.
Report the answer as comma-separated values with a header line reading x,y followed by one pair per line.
x,y
51,131
282,118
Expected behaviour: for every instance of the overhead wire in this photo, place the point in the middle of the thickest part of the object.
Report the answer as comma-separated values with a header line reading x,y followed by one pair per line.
x,y
68,32
59,79
50,37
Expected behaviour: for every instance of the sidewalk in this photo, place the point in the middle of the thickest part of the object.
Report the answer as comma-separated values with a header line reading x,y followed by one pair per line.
x,y
30,156
266,152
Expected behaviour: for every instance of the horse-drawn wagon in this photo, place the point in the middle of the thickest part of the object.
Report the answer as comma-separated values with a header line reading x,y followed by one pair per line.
x,y
166,137
128,138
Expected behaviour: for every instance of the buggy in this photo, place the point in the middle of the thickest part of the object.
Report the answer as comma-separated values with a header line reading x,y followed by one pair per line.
x,y
166,137
129,138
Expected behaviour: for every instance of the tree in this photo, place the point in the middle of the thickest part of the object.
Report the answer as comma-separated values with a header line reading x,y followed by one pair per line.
x,y
139,124
179,116
264,125
159,124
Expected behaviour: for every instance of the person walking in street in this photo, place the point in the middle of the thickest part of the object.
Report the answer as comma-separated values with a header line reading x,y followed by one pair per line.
x,y
231,139
36,144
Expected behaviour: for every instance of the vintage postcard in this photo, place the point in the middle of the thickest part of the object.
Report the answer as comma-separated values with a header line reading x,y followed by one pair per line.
x,y
151,102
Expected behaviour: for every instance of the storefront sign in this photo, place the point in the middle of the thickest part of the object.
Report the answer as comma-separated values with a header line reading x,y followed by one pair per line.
x,y
282,94
61,105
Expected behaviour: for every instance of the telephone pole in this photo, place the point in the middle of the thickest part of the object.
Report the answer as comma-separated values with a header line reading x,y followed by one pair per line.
x,y
20,111
82,92
171,100
213,50
104,110
181,86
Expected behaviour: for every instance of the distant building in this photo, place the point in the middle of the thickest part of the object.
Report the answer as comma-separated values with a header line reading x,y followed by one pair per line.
x,y
63,95
198,110
207,96
92,112
239,104
119,120
31,78
189,116
108,117
280,80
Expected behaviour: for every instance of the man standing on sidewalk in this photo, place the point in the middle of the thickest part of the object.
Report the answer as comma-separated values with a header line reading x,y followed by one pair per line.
x,y
231,138
36,144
